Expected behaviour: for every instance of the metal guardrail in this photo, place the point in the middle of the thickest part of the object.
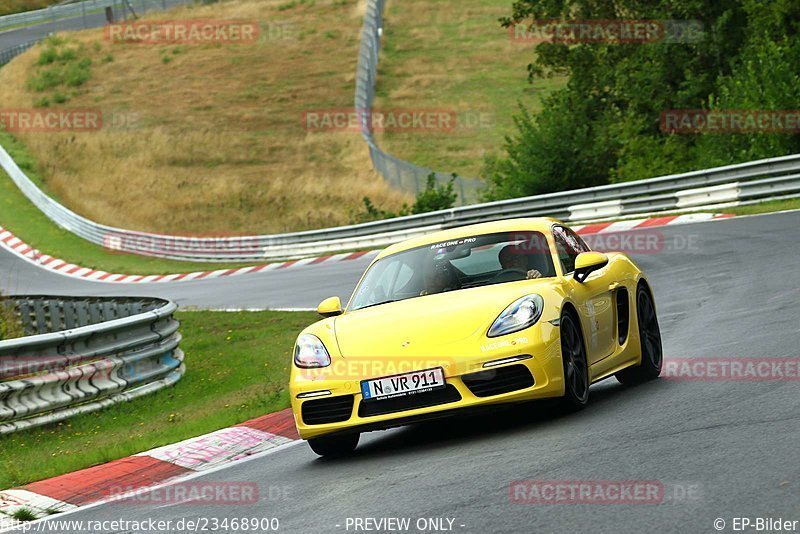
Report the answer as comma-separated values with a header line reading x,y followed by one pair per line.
x,y
400,174
747,181
8,54
84,354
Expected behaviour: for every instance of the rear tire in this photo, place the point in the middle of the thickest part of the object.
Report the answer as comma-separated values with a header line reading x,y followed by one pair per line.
x,y
332,446
576,369
650,342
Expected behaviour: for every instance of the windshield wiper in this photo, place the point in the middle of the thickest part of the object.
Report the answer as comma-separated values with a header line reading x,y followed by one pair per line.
x,y
379,303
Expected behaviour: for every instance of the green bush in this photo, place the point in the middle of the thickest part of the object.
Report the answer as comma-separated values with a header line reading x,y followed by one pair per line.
x,y
46,79
434,197
48,56
68,55
76,74
59,66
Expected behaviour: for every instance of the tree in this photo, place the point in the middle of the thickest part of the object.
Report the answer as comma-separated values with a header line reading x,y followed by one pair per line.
x,y
605,124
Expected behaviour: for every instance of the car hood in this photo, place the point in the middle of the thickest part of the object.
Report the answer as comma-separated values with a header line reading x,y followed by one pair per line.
x,y
431,325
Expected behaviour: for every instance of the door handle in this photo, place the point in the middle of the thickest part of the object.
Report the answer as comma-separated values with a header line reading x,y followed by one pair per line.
x,y
614,285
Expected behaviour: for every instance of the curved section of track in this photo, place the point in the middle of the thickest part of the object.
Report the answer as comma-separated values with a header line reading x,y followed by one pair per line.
x,y
723,289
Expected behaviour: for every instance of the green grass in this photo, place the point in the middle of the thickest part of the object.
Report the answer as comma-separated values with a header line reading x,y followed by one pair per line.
x,y
10,325
765,207
23,219
237,368
23,514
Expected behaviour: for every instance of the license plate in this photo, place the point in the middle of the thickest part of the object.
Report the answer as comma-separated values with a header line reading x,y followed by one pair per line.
x,y
403,384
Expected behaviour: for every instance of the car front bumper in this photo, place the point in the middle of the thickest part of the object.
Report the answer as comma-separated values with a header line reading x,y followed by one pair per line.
x,y
470,385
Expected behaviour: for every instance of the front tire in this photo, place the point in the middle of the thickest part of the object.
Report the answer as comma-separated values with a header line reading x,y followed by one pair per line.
x,y
332,446
576,369
650,340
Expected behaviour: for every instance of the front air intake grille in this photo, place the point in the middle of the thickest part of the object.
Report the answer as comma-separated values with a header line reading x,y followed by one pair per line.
x,y
498,381
330,410
444,395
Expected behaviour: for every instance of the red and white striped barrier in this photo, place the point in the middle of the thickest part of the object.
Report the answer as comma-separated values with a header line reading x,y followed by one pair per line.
x,y
28,253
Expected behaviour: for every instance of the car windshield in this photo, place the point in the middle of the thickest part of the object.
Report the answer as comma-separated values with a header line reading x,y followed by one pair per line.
x,y
462,263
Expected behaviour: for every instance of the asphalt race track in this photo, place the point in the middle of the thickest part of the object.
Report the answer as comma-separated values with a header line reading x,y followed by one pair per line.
x,y
721,448
10,38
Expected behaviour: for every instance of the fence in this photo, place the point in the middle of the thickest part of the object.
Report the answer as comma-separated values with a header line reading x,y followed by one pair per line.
x,y
400,174
84,354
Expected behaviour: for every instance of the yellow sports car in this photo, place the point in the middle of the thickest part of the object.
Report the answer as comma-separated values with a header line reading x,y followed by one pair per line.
x,y
479,315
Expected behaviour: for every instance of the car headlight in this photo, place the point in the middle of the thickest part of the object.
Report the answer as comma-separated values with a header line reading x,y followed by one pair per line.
x,y
309,352
519,315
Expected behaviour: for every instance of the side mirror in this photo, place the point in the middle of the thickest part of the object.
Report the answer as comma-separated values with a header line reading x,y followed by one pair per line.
x,y
588,262
330,307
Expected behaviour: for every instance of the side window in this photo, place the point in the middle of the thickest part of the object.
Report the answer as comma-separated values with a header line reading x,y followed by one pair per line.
x,y
569,245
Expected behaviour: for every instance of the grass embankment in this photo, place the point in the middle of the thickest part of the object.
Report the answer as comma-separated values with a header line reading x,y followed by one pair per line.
x,y
8,7
23,219
206,139
453,55
237,368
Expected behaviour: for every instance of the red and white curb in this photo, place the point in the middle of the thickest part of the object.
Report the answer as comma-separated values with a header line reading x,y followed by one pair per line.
x,y
152,469
18,247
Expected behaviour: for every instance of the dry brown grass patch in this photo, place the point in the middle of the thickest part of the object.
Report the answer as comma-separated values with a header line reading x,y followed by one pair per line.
x,y
213,141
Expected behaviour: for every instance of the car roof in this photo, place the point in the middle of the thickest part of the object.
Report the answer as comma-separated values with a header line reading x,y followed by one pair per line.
x,y
523,224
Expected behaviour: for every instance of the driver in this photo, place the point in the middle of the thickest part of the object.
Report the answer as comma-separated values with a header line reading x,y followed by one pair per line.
x,y
513,258
438,278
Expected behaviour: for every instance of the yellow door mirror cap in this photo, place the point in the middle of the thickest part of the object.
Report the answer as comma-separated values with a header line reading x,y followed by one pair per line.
x,y
588,262
330,307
